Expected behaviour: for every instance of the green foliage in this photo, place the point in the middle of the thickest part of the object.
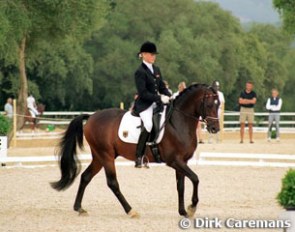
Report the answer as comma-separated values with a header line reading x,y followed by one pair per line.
x,y
286,9
197,46
286,196
5,125
197,41
62,74
288,91
49,27
204,44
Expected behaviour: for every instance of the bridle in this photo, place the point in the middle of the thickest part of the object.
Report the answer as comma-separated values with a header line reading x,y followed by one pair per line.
x,y
204,117
204,105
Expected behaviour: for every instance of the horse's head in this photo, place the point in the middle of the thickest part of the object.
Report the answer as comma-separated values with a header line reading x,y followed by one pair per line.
x,y
208,109
40,108
200,100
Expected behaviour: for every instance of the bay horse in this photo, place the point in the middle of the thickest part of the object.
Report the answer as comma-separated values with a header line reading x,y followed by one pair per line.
x,y
176,148
33,121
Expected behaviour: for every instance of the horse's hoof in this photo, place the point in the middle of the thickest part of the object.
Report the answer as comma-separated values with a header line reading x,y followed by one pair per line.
x,y
183,213
82,212
191,211
133,214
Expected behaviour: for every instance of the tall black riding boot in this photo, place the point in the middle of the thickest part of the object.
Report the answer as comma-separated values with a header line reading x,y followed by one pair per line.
x,y
140,149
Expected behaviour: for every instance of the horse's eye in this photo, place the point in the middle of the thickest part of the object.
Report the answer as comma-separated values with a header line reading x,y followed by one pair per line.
x,y
215,101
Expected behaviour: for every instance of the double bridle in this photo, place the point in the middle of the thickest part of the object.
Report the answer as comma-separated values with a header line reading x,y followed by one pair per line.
x,y
203,115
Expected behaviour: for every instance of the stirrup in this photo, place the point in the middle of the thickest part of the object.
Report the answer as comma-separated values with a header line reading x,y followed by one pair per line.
x,y
151,143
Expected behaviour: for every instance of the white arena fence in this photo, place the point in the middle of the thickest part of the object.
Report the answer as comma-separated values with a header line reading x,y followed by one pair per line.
x,y
287,121
204,158
231,120
231,123
246,159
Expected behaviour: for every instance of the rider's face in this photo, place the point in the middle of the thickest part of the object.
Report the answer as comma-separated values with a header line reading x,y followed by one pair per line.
x,y
149,57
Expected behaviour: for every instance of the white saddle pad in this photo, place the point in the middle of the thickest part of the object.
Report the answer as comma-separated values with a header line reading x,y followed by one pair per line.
x,y
129,129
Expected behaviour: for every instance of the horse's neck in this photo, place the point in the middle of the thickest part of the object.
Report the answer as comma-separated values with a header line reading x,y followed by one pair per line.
x,y
190,105
185,119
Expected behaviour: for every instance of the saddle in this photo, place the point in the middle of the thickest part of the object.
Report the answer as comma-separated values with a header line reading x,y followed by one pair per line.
x,y
131,126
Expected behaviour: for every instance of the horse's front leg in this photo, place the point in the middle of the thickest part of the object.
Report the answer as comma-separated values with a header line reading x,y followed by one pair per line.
x,y
180,190
182,167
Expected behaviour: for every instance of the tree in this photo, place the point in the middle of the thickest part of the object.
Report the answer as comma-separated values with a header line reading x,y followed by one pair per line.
x,y
197,41
288,91
62,74
278,46
286,9
29,25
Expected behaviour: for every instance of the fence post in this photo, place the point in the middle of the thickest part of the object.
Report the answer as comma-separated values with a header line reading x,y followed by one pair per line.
x,y
221,121
14,123
122,105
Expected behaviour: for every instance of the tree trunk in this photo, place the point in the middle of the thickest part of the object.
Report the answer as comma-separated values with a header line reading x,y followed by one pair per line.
x,y
23,90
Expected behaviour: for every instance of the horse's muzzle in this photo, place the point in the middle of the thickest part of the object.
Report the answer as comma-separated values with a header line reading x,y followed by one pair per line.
x,y
213,126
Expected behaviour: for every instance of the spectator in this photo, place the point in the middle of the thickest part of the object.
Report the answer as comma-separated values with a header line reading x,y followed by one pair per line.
x,y
168,87
8,111
216,87
247,102
8,108
199,131
274,105
181,87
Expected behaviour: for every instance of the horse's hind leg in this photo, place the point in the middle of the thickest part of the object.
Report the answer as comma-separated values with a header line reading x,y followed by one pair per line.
x,y
114,186
86,177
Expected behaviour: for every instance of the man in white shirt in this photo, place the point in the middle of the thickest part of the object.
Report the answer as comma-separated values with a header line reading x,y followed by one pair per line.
x,y
274,105
8,108
32,107
216,86
181,87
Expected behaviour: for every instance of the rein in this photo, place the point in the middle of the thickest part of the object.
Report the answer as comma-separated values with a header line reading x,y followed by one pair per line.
x,y
171,109
185,114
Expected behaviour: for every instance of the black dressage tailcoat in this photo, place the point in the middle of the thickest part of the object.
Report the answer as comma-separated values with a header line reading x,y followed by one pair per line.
x,y
148,85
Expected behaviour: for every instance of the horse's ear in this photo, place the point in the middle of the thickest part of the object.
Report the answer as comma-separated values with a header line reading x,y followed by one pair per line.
x,y
212,88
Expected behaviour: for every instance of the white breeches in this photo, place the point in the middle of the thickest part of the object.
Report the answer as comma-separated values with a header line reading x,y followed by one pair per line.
x,y
33,112
147,117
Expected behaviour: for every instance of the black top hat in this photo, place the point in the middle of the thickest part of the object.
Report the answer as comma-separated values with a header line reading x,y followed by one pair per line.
x,y
148,47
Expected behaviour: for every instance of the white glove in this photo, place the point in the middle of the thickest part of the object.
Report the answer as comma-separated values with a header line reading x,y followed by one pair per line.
x,y
165,99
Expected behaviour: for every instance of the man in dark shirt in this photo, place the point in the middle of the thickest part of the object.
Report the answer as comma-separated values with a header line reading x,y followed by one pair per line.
x,y
247,102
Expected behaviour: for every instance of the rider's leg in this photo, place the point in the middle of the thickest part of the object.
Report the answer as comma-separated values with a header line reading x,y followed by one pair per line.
x,y
35,111
32,112
146,117
140,149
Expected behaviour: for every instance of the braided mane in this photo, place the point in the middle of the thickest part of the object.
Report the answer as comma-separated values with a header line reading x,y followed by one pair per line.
x,y
189,89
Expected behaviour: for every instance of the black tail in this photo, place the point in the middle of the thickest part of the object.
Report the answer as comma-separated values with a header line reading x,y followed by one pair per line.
x,y
68,161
